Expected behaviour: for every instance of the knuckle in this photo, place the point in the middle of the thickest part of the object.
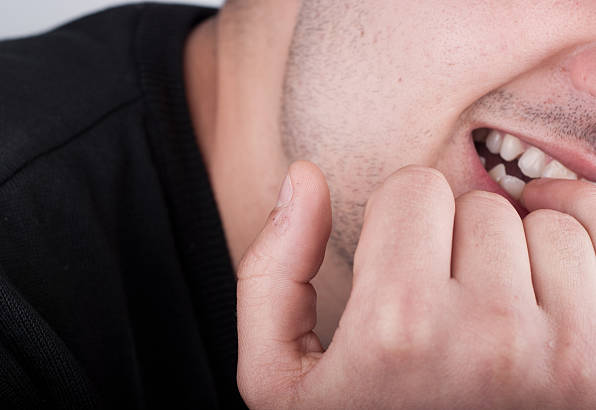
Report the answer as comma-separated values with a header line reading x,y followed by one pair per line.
x,y
486,201
555,224
506,345
499,367
571,343
418,171
573,367
401,327
545,218
257,262
487,216
423,178
584,198
248,263
428,186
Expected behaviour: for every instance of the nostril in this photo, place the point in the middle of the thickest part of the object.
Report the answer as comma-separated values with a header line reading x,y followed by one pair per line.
x,y
582,69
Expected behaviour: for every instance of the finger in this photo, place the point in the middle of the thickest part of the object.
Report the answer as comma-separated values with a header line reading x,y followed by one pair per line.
x,y
276,302
576,198
490,256
406,236
563,263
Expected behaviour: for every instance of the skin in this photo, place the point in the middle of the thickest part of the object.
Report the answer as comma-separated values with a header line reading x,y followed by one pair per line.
x,y
439,317
438,277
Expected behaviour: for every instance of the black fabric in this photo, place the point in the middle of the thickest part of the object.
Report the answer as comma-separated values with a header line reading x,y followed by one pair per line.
x,y
116,287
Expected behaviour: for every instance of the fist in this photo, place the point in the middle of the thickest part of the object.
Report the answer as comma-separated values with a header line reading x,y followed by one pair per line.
x,y
456,303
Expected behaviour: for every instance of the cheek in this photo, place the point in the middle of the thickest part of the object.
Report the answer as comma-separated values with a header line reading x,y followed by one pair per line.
x,y
354,170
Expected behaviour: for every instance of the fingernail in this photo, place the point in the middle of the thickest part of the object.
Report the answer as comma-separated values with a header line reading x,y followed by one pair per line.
x,y
285,194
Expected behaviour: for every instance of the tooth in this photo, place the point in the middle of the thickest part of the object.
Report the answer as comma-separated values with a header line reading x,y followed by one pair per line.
x,y
588,181
555,169
532,163
511,148
498,172
494,141
514,186
483,161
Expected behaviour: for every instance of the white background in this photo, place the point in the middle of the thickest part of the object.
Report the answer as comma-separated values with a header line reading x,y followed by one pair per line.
x,y
22,17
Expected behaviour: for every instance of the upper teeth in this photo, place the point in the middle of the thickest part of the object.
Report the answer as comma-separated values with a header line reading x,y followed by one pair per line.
x,y
511,148
532,162
555,169
494,141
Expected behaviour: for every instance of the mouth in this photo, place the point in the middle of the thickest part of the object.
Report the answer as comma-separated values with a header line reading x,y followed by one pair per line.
x,y
511,161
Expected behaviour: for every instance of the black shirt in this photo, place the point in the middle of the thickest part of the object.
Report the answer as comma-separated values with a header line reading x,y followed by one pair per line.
x,y
116,288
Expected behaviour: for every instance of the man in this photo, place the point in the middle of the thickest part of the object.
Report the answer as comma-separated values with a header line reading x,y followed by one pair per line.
x,y
116,284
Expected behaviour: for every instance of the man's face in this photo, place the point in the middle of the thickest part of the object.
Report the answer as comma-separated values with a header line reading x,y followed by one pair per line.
x,y
375,85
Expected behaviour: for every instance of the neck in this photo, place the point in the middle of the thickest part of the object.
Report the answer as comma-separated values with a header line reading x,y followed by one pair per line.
x,y
235,66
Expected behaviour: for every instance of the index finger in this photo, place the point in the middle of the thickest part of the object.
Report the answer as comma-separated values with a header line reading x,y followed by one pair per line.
x,y
575,198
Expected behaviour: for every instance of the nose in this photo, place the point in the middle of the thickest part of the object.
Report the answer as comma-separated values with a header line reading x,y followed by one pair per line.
x,y
582,69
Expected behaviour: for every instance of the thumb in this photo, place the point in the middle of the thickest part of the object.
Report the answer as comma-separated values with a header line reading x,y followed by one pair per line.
x,y
276,302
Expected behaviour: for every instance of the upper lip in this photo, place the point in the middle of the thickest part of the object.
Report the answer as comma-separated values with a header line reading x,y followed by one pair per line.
x,y
570,152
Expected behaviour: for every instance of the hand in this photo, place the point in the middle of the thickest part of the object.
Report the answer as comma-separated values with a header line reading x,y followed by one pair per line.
x,y
455,303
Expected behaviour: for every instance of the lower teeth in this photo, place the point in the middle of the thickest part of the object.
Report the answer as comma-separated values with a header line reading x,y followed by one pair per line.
x,y
514,186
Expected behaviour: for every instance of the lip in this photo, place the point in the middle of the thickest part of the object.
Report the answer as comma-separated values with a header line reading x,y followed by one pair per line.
x,y
573,156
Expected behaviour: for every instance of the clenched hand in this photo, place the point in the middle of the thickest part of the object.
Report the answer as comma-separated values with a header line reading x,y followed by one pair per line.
x,y
456,303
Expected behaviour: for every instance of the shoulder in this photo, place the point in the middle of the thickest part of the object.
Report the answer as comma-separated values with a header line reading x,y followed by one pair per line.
x,y
55,85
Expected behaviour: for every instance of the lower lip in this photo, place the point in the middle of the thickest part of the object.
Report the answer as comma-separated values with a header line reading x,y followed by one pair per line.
x,y
485,182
